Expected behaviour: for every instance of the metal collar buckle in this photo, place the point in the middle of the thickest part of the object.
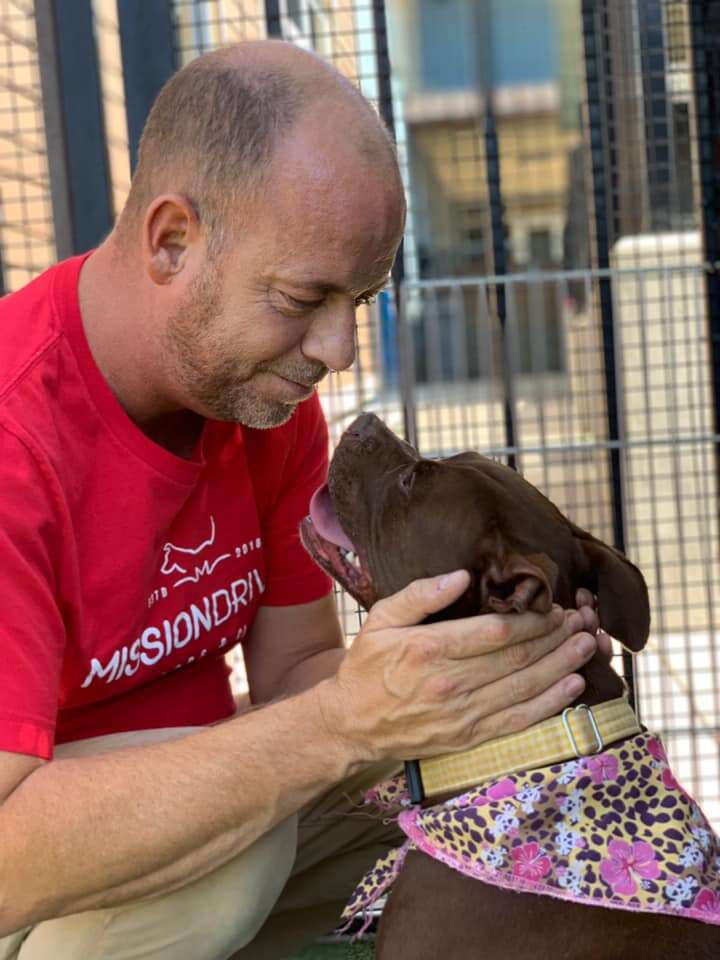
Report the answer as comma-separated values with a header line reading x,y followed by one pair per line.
x,y
599,742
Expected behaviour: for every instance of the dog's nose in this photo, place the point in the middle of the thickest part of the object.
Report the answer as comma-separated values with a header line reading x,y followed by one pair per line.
x,y
363,426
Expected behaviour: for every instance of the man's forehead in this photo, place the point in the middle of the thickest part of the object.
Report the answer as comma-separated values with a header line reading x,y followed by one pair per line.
x,y
338,149
328,284
332,246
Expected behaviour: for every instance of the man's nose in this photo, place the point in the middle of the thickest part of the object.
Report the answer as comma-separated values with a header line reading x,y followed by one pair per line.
x,y
331,337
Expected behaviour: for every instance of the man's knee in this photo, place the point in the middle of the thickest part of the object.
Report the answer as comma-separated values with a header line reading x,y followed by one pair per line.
x,y
205,920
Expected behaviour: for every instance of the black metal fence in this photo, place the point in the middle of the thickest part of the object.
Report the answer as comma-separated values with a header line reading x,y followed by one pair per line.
x,y
557,301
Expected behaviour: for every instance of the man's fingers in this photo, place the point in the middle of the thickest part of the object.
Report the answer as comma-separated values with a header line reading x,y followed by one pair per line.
x,y
524,715
418,600
514,660
585,598
476,636
517,686
604,643
590,619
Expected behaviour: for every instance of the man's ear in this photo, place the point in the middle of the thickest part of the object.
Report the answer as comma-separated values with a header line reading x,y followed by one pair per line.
x,y
623,603
170,229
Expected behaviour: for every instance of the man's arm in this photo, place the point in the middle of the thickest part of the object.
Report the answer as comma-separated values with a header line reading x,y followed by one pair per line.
x,y
90,832
292,648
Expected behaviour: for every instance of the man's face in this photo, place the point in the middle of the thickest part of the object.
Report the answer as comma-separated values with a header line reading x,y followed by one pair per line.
x,y
264,323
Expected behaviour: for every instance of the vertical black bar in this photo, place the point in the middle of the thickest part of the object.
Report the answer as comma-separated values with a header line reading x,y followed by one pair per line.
x,y
384,69
72,105
601,132
386,108
272,18
705,45
652,42
385,103
54,128
148,59
498,233
387,112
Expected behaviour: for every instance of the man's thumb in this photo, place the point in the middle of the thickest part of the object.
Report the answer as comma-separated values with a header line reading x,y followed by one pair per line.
x,y
418,600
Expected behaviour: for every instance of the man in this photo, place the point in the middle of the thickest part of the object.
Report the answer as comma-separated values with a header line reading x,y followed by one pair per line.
x,y
159,443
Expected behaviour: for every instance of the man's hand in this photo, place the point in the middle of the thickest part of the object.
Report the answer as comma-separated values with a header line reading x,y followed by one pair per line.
x,y
586,603
407,689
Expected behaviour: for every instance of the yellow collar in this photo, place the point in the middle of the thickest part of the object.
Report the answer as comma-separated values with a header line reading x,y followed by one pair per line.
x,y
578,732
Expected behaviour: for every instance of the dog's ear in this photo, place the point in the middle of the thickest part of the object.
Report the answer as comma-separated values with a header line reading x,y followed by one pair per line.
x,y
623,603
518,584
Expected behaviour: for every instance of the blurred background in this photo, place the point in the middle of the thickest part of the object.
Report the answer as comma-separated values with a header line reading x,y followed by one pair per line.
x,y
557,301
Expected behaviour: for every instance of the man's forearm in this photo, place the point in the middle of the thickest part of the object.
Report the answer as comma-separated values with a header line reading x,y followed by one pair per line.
x,y
312,670
91,832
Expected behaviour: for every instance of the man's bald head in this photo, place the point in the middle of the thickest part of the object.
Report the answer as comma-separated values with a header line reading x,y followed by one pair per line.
x,y
216,124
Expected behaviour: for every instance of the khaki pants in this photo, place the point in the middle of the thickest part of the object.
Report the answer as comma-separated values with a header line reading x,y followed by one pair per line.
x,y
283,891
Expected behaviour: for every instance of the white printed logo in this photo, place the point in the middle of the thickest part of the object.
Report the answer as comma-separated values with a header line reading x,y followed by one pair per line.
x,y
198,621
182,559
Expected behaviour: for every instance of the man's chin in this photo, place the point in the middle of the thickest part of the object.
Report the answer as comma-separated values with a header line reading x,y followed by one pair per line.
x,y
267,419
252,409
261,414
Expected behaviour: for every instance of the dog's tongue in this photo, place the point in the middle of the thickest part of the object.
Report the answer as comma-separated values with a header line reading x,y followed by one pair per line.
x,y
325,521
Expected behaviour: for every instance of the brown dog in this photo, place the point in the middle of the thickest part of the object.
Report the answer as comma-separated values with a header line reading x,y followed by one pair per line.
x,y
406,518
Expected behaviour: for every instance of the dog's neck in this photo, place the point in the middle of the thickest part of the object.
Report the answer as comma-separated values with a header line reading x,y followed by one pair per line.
x,y
577,734
601,682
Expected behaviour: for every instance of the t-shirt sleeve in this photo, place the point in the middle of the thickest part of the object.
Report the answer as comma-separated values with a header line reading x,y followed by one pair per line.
x,y
32,632
292,574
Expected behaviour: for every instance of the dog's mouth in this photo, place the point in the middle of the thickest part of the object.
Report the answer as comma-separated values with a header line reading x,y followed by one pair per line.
x,y
332,549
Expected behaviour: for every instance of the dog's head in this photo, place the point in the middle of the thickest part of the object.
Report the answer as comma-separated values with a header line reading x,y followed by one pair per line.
x,y
405,517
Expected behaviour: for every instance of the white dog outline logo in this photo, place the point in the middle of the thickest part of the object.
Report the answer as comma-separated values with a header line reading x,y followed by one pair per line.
x,y
172,564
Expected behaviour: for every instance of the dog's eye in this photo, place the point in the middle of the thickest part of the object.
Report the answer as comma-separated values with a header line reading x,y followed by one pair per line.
x,y
407,479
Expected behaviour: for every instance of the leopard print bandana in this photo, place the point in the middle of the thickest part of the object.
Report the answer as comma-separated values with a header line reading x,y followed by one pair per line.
x,y
612,830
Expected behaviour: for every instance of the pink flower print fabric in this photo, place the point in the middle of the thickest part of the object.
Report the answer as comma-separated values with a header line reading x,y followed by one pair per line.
x,y
709,901
602,767
530,861
614,830
626,862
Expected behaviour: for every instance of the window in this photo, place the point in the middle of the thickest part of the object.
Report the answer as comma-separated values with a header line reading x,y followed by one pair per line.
x,y
540,248
313,28
683,200
677,36
448,47
305,23
294,11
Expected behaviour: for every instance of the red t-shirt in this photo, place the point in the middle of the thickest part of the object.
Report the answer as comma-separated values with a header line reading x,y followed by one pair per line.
x,y
127,573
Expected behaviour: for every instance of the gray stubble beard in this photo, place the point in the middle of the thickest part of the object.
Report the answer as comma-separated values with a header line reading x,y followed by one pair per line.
x,y
227,392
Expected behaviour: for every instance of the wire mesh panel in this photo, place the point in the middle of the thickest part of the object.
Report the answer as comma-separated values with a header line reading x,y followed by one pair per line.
x,y
557,309
667,445
26,224
107,39
646,113
670,450
561,158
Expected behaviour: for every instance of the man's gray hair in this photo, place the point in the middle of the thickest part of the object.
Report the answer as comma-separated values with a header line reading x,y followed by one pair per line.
x,y
213,129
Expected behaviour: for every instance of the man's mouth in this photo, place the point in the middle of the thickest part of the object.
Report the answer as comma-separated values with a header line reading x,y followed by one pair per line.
x,y
292,390
332,549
